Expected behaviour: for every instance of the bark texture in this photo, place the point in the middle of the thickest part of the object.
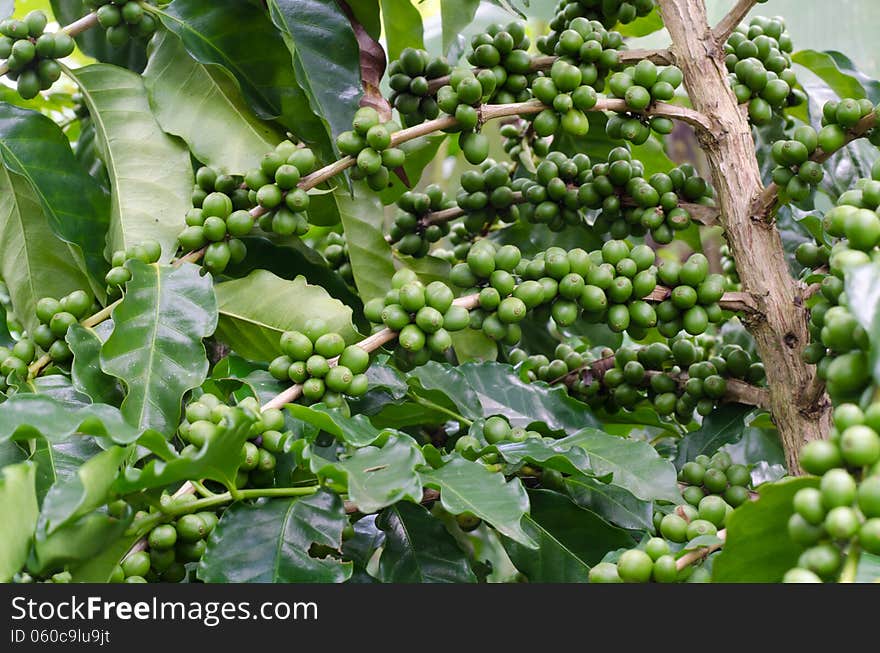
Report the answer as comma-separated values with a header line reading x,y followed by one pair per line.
x,y
798,403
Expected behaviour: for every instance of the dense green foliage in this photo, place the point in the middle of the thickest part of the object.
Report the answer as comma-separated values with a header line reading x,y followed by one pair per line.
x,y
283,315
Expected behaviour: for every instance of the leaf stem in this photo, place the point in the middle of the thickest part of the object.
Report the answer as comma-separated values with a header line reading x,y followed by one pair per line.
x,y
851,565
427,403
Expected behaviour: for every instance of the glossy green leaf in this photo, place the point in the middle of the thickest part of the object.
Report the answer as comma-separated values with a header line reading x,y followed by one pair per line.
x,y
363,221
644,25
418,549
633,465
225,33
758,548
269,542
355,430
31,415
88,377
500,391
472,345
256,310
75,543
76,207
99,567
612,502
156,346
862,285
18,514
218,459
570,540
377,477
724,425
212,117
838,73
34,263
57,462
329,76
402,26
150,172
455,16
93,42
87,489
467,486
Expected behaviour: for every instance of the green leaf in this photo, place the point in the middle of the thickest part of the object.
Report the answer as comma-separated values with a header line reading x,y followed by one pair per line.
x,y
758,548
418,549
269,542
643,26
501,392
78,494
256,310
862,285
402,26
34,263
88,377
379,477
724,425
150,172
99,567
467,486
30,415
212,116
633,465
455,16
369,253
57,462
570,540
217,460
241,38
838,73
472,345
329,76
75,206
614,503
93,42
355,430
76,543
427,268
156,346
18,514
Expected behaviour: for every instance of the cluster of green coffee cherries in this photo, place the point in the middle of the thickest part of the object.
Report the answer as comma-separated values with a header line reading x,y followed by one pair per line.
x,y
123,20
608,12
203,422
461,98
640,86
424,316
369,142
842,515
55,317
494,431
274,188
568,95
488,195
628,204
410,78
171,546
795,173
587,45
334,249
552,193
521,143
319,360
412,230
714,487
732,281
148,251
758,58
31,54
838,120
677,378
503,51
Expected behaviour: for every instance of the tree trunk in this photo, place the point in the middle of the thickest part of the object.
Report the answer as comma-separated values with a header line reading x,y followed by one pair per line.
x,y
798,403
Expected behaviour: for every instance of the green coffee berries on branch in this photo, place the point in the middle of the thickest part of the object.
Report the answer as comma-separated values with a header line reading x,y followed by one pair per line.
x,y
123,20
30,53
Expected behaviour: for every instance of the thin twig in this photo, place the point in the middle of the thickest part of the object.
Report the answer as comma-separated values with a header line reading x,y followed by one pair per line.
x,y
696,555
734,17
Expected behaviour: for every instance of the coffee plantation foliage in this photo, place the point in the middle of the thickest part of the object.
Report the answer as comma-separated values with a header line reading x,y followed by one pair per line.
x,y
341,309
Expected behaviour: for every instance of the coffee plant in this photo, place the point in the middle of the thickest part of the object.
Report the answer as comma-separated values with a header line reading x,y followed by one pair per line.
x,y
285,302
